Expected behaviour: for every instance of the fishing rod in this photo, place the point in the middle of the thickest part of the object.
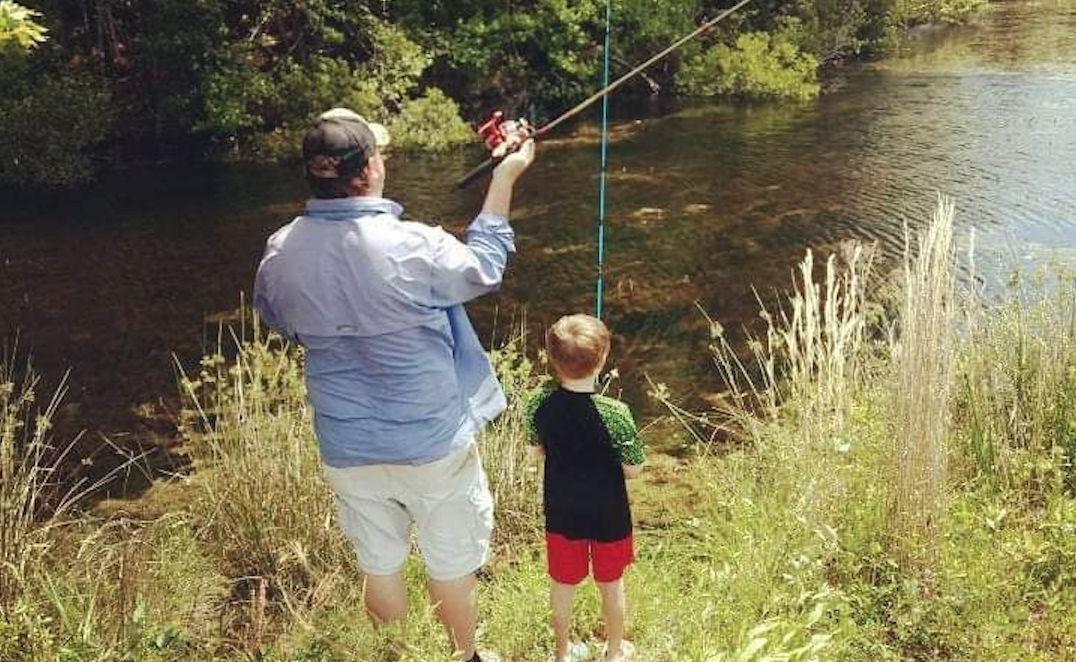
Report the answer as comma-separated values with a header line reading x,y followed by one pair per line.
x,y
496,130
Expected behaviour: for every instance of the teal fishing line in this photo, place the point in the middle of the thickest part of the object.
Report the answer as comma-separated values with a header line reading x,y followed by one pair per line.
x,y
599,295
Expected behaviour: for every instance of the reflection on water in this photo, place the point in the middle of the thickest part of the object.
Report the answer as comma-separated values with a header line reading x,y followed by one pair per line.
x,y
709,204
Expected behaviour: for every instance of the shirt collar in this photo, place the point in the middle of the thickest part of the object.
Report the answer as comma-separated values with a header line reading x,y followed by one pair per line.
x,y
338,209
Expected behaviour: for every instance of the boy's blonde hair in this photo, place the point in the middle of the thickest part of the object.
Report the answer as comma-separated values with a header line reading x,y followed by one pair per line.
x,y
577,345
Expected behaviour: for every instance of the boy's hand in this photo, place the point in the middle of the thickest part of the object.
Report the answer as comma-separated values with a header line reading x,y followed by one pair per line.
x,y
632,470
535,451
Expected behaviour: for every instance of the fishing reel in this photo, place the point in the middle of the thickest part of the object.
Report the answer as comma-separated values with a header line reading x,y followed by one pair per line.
x,y
497,130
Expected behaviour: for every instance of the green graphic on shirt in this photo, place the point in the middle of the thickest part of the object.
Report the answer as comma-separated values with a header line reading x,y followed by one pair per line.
x,y
615,415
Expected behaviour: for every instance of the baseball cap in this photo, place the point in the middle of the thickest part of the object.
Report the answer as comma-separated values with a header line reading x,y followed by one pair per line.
x,y
340,143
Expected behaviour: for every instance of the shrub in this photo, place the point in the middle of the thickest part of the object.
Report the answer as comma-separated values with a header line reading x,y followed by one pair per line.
x,y
913,12
233,93
547,55
431,121
758,65
299,92
277,106
46,134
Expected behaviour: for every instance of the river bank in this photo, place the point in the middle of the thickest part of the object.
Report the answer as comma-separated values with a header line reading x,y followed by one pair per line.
x,y
893,496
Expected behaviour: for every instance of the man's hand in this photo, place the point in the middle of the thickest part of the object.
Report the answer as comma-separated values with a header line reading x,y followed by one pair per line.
x,y
499,196
518,158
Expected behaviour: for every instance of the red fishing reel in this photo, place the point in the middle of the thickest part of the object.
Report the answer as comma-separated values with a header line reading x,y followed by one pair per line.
x,y
498,130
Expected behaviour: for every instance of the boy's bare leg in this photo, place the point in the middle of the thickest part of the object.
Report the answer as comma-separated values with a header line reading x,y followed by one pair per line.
x,y
456,601
385,597
560,606
613,612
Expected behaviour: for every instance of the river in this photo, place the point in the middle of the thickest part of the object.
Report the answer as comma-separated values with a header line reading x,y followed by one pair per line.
x,y
706,205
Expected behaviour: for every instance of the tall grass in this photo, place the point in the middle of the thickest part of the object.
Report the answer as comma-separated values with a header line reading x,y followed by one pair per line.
x,y
1017,386
813,351
514,479
792,398
923,351
268,512
126,589
778,497
32,502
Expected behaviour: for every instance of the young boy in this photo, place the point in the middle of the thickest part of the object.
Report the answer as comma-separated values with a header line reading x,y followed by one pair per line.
x,y
590,445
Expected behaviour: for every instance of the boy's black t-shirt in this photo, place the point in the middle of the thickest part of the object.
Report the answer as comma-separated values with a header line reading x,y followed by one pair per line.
x,y
586,438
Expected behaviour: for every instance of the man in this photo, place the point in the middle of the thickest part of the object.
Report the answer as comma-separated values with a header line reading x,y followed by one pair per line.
x,y
398,381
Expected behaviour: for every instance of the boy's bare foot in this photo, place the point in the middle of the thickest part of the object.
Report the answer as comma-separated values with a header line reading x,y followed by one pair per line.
x,y
623,654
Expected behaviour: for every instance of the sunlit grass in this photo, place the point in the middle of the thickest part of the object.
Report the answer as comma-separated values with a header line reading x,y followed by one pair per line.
x,y
923,351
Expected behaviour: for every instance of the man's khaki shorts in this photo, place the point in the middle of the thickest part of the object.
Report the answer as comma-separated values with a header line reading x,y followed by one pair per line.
x,y
448,501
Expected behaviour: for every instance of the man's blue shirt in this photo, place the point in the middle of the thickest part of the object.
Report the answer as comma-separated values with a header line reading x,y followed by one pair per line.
x,y
394,369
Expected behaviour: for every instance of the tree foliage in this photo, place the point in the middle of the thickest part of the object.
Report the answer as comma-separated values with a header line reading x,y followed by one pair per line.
x,y
45,132
244,77
911,12
757,65
18,27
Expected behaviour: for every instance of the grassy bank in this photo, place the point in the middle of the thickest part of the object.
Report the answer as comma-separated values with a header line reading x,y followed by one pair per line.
x,y
899,487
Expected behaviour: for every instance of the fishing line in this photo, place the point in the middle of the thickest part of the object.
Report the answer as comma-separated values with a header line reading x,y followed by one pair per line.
x,y
599,295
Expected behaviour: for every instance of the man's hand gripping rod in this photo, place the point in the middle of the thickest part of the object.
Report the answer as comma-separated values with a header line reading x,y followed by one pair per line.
x,y
502,137
498,131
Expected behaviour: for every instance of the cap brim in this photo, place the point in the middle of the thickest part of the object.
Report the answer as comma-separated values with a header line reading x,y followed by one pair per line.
x,y
381,134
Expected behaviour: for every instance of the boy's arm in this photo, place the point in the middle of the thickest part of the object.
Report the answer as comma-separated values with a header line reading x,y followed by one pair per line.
x,y
534,442
625,437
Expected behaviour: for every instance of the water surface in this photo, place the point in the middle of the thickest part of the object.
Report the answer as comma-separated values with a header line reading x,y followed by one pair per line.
x,y
707,205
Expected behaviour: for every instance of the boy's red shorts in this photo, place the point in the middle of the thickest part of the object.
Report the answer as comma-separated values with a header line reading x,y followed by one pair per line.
x,y
570,560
